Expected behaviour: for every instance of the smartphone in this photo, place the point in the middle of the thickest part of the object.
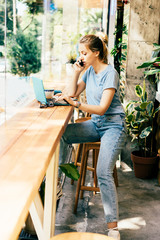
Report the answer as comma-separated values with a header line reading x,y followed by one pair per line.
x,y
81,63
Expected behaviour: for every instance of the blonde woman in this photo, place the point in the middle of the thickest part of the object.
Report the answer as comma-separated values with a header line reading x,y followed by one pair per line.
x,y
101,82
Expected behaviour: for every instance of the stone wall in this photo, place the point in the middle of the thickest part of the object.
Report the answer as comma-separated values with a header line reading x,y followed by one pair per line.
x,y
144,23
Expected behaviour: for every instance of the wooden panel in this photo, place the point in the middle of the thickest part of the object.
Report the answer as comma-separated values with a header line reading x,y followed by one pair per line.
x,y
89,3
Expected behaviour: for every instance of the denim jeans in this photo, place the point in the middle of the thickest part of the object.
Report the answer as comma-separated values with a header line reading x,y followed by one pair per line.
x,y
110,130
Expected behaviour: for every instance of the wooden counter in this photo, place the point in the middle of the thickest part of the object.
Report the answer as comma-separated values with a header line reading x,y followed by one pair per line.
x,y
29,150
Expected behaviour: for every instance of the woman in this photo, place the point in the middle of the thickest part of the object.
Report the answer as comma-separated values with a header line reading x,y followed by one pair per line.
x,y
101,82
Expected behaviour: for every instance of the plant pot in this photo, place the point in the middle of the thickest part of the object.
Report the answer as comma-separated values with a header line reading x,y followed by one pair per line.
x,y
69,69
144,167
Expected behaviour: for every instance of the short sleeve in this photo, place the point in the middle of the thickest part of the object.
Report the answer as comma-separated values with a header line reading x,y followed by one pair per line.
x,y
86,75
112,80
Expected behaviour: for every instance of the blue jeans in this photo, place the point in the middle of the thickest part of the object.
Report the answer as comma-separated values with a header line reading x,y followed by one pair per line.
x,y
110,130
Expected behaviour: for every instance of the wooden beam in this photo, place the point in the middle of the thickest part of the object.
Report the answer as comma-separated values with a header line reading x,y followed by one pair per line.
x,y
91,3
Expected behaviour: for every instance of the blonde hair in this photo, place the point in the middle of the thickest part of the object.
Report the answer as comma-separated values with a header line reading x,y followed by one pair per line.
x,y
97,42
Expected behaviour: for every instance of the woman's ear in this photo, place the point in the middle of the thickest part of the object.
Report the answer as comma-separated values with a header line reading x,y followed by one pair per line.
x,y
96,53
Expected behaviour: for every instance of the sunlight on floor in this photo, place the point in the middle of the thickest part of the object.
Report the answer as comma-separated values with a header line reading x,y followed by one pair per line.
x,y
125,167
132,223
80,226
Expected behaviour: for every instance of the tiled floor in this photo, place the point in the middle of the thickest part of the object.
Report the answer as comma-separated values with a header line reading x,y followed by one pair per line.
x,y
139,208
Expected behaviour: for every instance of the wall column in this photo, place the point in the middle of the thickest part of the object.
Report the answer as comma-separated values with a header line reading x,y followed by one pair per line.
x,y
144,23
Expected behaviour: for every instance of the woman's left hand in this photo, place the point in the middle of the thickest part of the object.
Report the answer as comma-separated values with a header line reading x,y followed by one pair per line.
x,y
67,98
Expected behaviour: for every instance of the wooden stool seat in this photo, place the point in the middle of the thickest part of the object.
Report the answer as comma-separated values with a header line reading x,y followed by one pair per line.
x,y
81,236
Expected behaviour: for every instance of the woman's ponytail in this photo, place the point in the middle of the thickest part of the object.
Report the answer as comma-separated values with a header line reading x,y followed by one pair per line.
x,y
104,40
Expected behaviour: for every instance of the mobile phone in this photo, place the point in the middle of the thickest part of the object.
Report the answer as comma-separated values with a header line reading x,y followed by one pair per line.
x,y
81,63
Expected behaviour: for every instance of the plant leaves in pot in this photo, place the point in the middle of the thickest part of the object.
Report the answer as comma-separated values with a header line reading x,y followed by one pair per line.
x,y
140,126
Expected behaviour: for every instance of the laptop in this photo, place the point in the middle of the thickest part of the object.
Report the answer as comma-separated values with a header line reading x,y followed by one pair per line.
x,y
41,97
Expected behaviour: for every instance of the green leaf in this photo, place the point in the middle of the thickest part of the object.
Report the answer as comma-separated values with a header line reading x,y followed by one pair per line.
x,y
152,72
138,108
144,87
145,96
138,115
70,170
130,117
157,110
145,133
150,108
143,105
149,63
138,90
157,46
130,104
130,109
134,125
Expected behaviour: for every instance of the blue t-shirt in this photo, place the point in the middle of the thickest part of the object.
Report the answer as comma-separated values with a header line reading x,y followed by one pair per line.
x,y
97,83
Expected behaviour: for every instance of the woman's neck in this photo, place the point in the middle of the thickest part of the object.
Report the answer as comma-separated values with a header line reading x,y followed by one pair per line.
x,y
99,67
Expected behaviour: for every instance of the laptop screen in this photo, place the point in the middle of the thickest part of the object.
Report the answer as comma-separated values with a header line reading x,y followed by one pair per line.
x,y
39,90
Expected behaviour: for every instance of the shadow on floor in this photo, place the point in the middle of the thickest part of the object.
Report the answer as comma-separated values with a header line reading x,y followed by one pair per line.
x,y
139,208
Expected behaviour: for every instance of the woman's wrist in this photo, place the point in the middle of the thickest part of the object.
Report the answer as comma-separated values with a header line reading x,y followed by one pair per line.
x,y
77,104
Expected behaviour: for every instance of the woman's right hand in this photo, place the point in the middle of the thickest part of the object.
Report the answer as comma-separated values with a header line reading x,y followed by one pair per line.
x,y
78,67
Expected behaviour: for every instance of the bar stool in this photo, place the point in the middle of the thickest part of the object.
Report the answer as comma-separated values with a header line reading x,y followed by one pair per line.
x,y
81,236
84,150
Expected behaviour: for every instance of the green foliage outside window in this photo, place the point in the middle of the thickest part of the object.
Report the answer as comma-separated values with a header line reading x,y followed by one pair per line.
x,y
24,54
9,19
90,20
34,6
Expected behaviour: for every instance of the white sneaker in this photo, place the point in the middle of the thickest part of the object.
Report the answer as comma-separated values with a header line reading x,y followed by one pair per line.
x,y
114,234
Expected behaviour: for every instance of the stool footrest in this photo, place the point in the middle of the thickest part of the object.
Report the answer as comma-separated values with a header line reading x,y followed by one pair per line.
x,y
88,167
87,188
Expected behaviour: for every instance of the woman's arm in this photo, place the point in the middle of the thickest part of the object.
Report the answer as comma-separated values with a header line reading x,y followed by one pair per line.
x,y
106,100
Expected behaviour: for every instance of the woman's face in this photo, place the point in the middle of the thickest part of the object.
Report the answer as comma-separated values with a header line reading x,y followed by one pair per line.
x,y
86,55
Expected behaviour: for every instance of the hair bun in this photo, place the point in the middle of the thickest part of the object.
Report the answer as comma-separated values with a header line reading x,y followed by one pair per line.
x,y
103,37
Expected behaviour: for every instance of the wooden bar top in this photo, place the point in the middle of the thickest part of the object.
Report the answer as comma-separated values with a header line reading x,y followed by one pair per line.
x,y
27,143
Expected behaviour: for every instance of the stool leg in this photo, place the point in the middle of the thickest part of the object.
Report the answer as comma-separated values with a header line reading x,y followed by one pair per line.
x,y
93,161
80,178
115,176
95,167
84,171
79,150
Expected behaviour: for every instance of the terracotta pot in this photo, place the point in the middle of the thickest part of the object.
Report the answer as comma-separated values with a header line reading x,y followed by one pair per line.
x,y
144,167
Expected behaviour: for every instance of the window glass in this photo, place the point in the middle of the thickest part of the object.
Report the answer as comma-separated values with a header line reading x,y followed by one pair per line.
x,y
38,38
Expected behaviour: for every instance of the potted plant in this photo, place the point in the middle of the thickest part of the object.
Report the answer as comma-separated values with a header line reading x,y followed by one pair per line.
x,y
140,125
72,53
71,60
